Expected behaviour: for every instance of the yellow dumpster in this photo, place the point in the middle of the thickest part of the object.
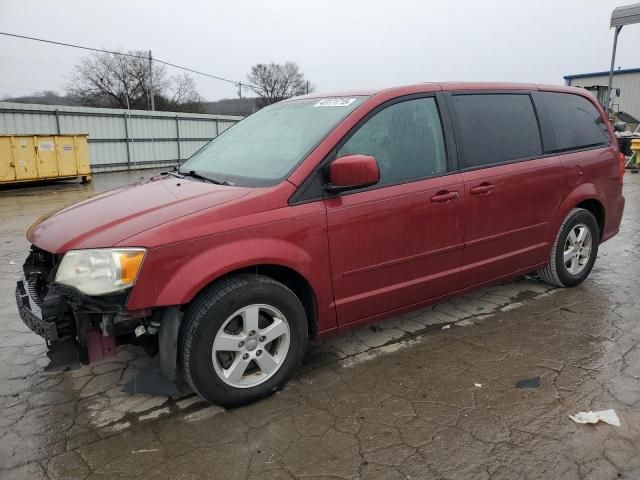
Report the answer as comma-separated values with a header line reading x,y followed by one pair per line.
x,y
26,158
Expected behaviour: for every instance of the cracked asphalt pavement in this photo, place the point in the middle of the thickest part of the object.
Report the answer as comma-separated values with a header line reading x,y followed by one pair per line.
x,y
429,395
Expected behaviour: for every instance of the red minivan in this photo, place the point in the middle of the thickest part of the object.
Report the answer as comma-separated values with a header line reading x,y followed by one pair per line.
x,y
319,214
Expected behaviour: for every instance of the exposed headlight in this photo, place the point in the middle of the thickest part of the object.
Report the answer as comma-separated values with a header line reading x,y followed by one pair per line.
x,y
101,271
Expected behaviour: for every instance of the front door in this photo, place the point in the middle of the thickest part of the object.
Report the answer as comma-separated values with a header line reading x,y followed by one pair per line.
x,y
399,242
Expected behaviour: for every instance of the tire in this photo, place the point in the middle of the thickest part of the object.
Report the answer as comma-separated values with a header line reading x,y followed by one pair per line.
x,y
570,274
222,317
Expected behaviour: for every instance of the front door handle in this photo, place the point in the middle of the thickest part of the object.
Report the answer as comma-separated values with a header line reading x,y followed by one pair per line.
x,y
482,189
444,196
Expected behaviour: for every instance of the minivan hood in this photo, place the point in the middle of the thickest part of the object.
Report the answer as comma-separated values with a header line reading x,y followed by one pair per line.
x,y
113,216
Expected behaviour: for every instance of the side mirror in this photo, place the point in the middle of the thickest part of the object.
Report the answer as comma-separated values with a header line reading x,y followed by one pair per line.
x,y
351,172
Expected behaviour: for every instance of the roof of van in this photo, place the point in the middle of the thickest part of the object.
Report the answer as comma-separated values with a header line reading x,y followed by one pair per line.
x,y
444,86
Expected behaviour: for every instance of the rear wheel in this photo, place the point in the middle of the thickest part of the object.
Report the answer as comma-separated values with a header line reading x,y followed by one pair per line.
x,y
243,339
575,250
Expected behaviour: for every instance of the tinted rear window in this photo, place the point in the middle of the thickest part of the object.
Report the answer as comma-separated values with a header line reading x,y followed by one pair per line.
x,y
575,121
496,128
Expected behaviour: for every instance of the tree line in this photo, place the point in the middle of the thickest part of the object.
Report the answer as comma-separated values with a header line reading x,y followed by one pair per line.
x,y
117,81
125,81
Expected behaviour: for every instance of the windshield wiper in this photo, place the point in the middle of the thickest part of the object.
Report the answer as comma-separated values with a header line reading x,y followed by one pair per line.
x,y
208,178
173,173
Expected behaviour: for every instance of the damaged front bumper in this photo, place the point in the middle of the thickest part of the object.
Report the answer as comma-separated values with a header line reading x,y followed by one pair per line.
x,y
79,329
51,321
31,314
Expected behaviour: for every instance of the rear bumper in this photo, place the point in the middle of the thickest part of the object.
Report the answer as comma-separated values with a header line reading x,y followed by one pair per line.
x,y
613,219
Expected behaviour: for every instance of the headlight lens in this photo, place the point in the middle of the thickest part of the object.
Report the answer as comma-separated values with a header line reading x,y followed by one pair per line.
x,y
101,271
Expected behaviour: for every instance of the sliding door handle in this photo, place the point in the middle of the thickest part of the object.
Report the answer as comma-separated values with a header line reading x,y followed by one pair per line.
x,y
444,196
482,189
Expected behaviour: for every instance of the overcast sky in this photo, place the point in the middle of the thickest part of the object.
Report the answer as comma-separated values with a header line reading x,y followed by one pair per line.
x,y
339,44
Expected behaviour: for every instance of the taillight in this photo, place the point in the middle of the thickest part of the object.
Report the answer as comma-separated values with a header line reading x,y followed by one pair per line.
x,y
622,169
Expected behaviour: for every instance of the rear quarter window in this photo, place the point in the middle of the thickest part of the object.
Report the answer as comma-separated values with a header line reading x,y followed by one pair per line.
x,y
496,128
575,122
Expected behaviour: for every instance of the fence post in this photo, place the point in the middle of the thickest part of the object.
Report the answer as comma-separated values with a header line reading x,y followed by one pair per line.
x,y
57,122
126,135
178,137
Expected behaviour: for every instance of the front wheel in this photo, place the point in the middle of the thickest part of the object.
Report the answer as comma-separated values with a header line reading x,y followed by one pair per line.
x,y
575,250
243,339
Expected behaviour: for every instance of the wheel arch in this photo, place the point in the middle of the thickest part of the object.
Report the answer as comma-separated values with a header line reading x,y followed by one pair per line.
x,y
172,278
286,275
584,196
596,208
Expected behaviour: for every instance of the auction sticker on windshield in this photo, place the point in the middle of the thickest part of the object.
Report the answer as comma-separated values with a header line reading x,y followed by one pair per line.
x,y
334,102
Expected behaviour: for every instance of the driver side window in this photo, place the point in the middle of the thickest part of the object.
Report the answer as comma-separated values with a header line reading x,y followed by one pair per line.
x,y
406,140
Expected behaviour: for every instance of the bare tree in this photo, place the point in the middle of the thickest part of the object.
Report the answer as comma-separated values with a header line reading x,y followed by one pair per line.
x,y
117,81
275,82
184,96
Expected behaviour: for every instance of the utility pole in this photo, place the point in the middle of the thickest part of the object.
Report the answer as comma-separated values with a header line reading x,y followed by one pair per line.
x,y
151,100
307,87
613,62
240,90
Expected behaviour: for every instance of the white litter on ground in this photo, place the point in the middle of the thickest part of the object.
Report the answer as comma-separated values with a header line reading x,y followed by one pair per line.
x,y
149,450
446,327
12,263
479,385
606,416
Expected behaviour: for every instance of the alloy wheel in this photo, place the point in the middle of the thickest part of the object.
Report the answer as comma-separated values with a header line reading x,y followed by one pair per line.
x,y
251,346
577,249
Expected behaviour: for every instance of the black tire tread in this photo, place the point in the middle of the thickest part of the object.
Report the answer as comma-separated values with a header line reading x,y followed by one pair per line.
x,y
549,273
196,312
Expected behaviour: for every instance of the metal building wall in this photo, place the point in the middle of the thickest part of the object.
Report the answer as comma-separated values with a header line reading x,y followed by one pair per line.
x,y
119,139
628,83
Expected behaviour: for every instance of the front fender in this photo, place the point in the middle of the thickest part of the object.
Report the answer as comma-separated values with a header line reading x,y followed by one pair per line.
x,y
190,277
174,274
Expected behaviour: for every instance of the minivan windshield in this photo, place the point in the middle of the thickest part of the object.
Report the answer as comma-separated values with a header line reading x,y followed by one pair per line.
x,y
264,147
